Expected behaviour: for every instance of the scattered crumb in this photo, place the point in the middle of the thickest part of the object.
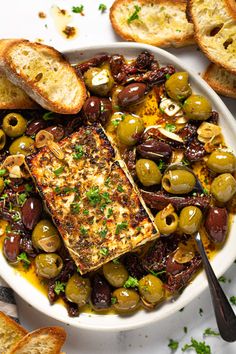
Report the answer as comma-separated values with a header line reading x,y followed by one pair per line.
x,y
42,14
39,40
69,31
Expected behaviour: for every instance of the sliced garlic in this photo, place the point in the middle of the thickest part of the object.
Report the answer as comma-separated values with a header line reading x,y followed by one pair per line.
x,y
169,107
177,156
208,130
181,120
13,160
56,150
183,254
42,138
170,135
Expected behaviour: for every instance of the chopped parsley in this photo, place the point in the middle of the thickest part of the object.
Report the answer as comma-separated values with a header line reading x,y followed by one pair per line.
x,y
170,127
200,347
131,282
103,233
85,212
3,196
210,332
79,152
106,197
173,344
113,300
94,196
109,213
22,198
120,188
120,227
178,30
161,165
222,279
75,208
24,259
167,76
102,8
185,329
16,217
28,188
2,172
48,116
134,15
233,300
59,287
156,274
78,9
83,230
104,251
59,171
7,182
116,261
107,181
185,162
115,122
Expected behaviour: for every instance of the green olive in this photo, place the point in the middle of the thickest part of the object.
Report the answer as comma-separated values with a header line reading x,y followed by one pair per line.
x,y
166,224
148,172
223,187
23,145
197,107
2,139
221,162
48,265
151,289
45,236
115,274
78,290
99,81
190,220
177,86
1,184
130,129
126,300
14,125
178,181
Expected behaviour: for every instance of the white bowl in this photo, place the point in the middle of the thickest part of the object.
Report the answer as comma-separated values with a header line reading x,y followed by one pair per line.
x,y
221,261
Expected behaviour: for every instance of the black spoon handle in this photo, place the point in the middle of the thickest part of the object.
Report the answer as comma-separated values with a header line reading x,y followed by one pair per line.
x,y
225,317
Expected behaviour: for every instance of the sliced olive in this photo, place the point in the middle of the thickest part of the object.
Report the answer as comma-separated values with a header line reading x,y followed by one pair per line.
x,y
45,236
115,274
125,300
48,265
148,172
190,219
78,290
178,181
197,107
223,187
221,162
177,86
151,289
130,129
14,125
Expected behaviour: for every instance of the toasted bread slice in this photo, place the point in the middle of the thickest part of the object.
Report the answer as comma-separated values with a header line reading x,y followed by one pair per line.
x,y
13,97
48,340
215,31
232,7
44,74
221,80
10,333
158,22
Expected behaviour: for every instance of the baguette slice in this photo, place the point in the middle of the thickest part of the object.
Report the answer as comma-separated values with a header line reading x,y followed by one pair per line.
x,y
232,7
48,340
158,22
44,74
215,31
10,333
220,80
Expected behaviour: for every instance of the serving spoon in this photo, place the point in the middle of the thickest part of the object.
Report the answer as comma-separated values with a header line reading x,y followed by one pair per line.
x,y
225,316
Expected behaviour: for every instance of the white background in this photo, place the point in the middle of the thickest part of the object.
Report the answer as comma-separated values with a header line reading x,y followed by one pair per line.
x,y
20,19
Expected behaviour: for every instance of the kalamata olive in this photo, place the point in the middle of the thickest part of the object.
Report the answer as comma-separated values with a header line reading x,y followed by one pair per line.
x,y
35,126
57,131
154,150
101,293
105,110
11,247
216,224
173,267
91,108
31,212
131,94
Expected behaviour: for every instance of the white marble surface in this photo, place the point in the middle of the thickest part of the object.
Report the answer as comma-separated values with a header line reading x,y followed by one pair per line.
x,y
20,19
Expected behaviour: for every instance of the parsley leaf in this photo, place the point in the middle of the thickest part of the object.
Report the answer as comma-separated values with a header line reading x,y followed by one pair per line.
x,y
59,287
22,198
2,172
102,8
120,227
131,282
79,152
173,344
75,208
83,230
85,212
28,188
78,9
48,116
109,213
103,233
134,15
200,347
222,279
161,165
210,332
170,127
17,216
94,196
24,259
59,171
233,300
104,251
113,300
116,261
120,188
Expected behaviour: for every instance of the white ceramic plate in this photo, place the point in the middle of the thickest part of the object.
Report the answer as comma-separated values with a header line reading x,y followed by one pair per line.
x,y
220,263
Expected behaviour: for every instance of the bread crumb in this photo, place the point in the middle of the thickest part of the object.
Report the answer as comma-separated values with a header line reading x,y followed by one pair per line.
x,y
42,14
69,31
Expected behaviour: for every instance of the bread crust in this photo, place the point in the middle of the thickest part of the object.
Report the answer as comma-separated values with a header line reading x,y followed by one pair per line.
x,y
17,76
231,4
174,40
222,85
219,58
55,335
